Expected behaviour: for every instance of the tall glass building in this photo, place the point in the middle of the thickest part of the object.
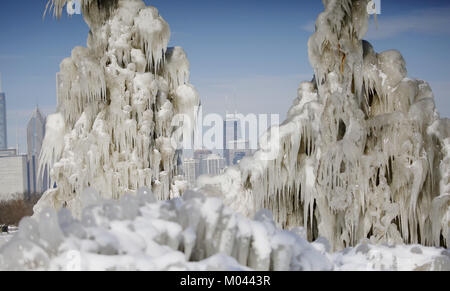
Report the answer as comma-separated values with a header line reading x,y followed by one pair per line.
x,y
35,137
3,133
230,133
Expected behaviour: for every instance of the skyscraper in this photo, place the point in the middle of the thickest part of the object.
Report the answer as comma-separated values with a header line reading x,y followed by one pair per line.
x,y
35,136
200,156
230,133
3,132
13,175
238,149
190,167
214,164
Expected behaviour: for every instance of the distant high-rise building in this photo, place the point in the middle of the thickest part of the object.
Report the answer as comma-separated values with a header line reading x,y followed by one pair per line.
x,y
3,128
214,165
190,167
238,149
35,137
238,156
200,156
179,162
13,175
203,163
8,153
230,133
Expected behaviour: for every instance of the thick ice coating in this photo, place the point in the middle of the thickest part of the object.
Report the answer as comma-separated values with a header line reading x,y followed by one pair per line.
x,y
362,154
116,101
194,232
139,233
363,159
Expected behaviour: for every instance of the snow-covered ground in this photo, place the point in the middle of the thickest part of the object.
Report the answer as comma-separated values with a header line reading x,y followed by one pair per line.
x,y
189,233
366,257
5,237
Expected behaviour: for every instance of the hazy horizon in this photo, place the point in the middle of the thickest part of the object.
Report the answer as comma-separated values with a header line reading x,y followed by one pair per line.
x,y
247,55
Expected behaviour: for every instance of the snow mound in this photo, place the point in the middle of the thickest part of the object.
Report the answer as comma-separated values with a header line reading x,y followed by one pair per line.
x,y
139,233
366,257
190,233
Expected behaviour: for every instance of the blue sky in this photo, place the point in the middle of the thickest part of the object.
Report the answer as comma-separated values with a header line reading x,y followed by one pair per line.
x,y
245,54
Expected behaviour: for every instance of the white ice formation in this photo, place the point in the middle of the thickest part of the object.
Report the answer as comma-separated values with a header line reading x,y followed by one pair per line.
x,y
363,153
139,233
116,101
193,232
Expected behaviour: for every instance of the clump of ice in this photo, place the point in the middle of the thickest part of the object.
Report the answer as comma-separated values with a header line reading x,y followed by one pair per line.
x,y
194,232
362,154
116,101
139,233
366,257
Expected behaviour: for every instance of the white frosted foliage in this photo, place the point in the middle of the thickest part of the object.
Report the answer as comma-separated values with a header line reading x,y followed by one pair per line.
x,y
193,232
116,100
362,154
139,233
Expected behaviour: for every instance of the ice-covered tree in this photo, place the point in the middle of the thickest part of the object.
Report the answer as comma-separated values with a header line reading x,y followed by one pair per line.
x,y
116,101
363,152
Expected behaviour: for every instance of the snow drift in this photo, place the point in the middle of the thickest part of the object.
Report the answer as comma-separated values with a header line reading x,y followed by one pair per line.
x,y
194,232
139,233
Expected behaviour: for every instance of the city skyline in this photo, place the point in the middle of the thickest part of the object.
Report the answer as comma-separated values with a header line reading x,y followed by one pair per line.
x,y
247,35
19,172
3,122
212,162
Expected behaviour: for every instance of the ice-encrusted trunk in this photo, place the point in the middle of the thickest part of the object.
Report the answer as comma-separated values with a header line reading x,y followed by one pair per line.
x,y
116,101
362,154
